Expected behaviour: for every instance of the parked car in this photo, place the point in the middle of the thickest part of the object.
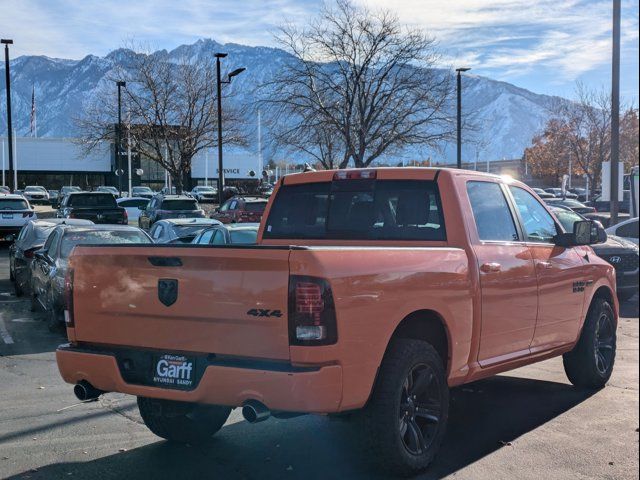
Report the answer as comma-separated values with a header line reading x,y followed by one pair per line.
x,y
64,191
49,268
558,193
32,238
234,233
181,230
36,194
108,189
162,207
620,253
142,192
241,209
15,212
574,205
53,196
627,230
580,192
4,190
325,314
605,205
98,207
205,194
542,194
134,207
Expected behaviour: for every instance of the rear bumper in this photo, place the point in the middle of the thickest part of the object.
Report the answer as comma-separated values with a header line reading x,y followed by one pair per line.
x,y
281,387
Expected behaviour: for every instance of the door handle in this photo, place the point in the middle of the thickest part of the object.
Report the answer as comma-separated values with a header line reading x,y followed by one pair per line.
x,y
490,267
544,264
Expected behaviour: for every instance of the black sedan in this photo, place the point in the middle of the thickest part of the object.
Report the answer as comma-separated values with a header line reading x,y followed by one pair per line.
x,y
50,265
574,205
620,253
31,238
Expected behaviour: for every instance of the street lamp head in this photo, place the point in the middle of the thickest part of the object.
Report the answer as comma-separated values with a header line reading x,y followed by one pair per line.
x,y
220,55
463,69
121,83
237,71
6,41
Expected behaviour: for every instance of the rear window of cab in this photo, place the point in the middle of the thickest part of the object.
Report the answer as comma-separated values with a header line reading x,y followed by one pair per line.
x,y
358,209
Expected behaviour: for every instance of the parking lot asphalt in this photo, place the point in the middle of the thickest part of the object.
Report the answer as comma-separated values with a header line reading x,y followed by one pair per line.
x,y
527,424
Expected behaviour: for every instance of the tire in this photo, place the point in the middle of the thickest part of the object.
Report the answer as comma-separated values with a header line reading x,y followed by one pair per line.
x,y
17,288
182,422
403,432
590,363
35,305
626,295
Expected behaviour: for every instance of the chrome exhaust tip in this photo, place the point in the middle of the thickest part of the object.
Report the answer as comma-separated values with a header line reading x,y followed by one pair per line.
x,y
254,411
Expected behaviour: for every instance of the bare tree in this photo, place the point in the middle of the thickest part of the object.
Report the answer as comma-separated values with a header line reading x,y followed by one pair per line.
x,y
170,109
359,85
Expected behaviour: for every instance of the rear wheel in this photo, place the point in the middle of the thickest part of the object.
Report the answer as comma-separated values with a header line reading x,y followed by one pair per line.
x,y
181,421
590,363
55,320
17,288
406,418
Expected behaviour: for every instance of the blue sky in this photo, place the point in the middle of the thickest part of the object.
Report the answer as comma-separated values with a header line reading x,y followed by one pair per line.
x,y
542,45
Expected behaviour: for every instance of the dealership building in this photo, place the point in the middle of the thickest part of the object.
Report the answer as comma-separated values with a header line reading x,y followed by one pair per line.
x,y
54,162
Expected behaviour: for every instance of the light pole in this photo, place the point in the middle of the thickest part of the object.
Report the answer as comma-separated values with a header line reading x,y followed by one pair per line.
x,y
615,112
6,42
119,171
459,151
219,83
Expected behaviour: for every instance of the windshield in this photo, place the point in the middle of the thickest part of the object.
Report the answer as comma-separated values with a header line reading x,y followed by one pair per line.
x,y
205,189
179,205
13,204
35,189
71,239
358,210
98,200
243,237
142,190
70,189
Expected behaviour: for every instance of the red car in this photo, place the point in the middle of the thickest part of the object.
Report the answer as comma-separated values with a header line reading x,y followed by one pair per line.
x,y
241,209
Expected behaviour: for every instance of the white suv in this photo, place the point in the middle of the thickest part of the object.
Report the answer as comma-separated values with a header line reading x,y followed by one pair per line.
x,y
35,193
15,212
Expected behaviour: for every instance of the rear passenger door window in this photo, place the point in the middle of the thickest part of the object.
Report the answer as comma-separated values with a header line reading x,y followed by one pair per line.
x,y
491,212
538,224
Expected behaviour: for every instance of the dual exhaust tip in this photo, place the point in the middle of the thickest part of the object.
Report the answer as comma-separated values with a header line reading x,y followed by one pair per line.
x,y
253,411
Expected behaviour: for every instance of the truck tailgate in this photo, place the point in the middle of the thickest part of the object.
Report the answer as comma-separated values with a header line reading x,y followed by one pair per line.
x,y
229,301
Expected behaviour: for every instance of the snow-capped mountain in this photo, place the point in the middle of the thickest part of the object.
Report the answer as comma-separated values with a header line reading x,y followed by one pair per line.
x,y
506,117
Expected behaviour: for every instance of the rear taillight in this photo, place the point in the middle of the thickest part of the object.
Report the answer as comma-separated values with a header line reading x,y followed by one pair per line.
x,y
27,214
31,252
68,298
125,217
312,314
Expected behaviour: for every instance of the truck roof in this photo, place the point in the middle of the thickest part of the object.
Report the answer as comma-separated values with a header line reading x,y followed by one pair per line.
x,y
384,173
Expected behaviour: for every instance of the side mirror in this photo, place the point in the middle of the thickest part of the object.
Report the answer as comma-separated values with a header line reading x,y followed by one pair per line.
x,y
584,233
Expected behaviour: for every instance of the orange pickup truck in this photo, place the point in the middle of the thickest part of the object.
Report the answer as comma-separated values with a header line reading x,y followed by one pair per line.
x,y
370,291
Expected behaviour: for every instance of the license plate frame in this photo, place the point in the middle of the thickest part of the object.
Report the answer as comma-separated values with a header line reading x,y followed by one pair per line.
x,y
7,216
175,371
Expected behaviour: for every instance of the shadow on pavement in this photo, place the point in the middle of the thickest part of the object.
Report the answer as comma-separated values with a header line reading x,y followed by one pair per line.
x,y
484,417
